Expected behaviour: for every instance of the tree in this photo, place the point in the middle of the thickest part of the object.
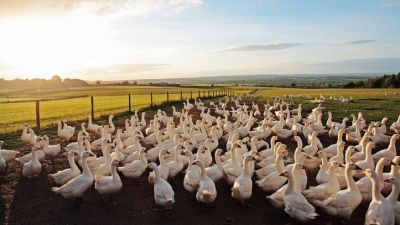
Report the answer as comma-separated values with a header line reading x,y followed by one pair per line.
x,y
293,85
98,82
56,78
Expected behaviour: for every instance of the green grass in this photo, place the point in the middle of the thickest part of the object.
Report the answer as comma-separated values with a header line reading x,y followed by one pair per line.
x,y
19,108
373,103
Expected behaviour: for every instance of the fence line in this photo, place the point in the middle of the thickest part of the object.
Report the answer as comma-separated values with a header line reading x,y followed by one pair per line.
x,y
47,111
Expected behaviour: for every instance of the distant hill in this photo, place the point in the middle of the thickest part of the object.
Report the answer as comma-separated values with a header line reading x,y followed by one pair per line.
x,y
385,81
300,80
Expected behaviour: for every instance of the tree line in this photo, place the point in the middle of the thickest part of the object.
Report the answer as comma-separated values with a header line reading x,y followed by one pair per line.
x,y
385,81
37,83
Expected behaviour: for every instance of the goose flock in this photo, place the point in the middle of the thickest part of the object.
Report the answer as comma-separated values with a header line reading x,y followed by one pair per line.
x,y
227,140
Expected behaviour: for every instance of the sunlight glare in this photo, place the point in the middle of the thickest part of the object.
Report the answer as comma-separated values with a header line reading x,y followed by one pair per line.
x,y
44,46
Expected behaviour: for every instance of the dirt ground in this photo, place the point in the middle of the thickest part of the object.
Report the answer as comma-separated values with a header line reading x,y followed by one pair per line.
x,y
31,202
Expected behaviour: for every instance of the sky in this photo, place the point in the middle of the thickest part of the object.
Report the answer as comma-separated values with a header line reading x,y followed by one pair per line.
x,y
136,39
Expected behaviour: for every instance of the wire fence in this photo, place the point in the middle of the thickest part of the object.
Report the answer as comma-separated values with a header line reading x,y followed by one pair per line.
x,y
40,113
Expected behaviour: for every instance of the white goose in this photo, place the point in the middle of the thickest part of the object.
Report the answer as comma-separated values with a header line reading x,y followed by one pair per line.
x,y
390,151
163,168
396,125
64,133
32,168
206,192
63,176
273,181
233,167
243,186
109,184
92,127
135,168
343,203
368,162
380,210
276,198
164,195
7,155
26,136
176,165
393,196
331,150
216,171
176,113
193,174
365,184
50,150
105,168
325,190
339,157
296,205
77,186
322,175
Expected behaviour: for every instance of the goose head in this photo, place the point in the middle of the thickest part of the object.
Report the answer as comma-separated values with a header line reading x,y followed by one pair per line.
x,y
396,160
285,174
370,173
115,162
198,163
85,155
393,181
152,166
333,166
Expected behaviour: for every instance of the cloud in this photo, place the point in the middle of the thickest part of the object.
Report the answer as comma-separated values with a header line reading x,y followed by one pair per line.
x,y
99,7
263,47
392,4
355,42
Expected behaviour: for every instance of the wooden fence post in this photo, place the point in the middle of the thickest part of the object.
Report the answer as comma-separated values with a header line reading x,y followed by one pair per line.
x,y
181,96
204,93
151,99
167,96
37,114
191,97
199,94
129,102
208,93
92,106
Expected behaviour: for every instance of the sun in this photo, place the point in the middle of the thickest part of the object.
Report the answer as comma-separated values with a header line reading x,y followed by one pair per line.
x,y
41,47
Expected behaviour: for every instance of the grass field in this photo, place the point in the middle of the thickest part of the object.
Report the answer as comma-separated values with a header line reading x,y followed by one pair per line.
x,y
373,103
17,107
69,104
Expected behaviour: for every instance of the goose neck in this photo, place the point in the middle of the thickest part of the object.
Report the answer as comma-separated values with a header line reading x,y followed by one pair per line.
x,y
392,144
290,185
247,168
376,194
85,168
333,178
280,167
350,181
394,171
394,194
